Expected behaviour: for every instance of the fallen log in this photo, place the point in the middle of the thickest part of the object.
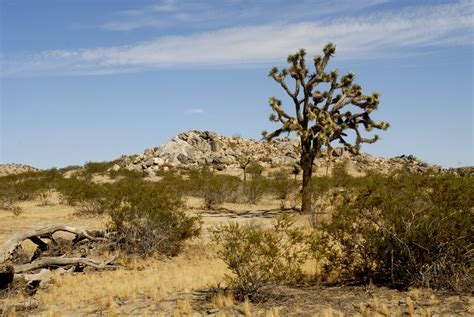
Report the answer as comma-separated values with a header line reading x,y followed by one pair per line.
x,y
9,247
56,261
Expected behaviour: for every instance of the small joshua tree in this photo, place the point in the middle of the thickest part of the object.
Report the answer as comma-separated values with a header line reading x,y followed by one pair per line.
x,y
322,117
244,161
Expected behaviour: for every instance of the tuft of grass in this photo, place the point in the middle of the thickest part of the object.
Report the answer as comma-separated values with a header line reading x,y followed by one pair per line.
x,y
222,299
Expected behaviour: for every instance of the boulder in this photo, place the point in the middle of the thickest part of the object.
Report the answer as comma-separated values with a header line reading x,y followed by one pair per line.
x,y
158,161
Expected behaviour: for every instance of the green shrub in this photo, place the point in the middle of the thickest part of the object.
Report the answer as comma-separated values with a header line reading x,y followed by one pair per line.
x,y
405,230
148,217
258,257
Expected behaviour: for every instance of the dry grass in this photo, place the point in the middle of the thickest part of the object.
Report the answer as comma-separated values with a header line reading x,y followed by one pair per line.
x,y
35,215
141,283
222,300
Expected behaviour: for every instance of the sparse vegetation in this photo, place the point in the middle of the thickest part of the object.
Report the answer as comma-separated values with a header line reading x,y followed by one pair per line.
x,y
24,187
399,230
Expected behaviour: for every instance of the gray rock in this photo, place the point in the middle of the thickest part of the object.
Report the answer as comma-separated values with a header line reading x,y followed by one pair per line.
x,y
215,146
149,162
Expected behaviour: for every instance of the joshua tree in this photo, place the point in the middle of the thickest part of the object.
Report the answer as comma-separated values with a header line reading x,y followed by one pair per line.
x,y
322,117
244,161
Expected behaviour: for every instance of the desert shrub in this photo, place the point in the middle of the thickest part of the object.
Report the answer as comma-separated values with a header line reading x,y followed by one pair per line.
x,y
405,230
148,217
281,186
97,167
89,198
70,168
255,188
8,196
258,257
254,168
214,188
339,178
25,186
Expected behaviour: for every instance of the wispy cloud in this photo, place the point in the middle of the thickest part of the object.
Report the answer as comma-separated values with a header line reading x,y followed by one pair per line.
x,y
376,35
195,111
218,13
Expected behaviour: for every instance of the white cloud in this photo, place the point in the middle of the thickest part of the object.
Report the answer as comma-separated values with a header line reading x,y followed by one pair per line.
x,y
376,35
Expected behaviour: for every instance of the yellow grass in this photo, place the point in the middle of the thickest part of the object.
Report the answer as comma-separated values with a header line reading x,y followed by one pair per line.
x,y
144,280
221,300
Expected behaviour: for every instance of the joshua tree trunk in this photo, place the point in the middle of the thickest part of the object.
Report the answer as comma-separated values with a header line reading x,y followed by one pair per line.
x,y
307,166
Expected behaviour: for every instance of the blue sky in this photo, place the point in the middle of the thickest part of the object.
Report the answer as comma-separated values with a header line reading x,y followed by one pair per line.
x,y
91,80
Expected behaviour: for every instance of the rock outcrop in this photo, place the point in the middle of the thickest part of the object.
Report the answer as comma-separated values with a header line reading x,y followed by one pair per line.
x,y
199,148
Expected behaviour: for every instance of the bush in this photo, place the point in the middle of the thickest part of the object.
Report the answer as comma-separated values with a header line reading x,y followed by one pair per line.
x,y
255,169
258,257
282,186
25,186
214,188
405,230
91,168
148,217
255,189
90,198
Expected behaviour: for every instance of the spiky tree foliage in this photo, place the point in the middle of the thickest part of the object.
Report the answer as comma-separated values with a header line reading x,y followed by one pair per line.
x,y
322,117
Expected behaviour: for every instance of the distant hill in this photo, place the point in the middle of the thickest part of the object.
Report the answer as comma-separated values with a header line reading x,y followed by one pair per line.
x,y
15,168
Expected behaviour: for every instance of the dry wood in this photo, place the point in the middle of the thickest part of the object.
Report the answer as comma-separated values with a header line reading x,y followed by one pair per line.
x,y
7,248
55,261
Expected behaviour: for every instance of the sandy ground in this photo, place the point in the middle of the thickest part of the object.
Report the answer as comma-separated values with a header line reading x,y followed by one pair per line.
x,y
182,286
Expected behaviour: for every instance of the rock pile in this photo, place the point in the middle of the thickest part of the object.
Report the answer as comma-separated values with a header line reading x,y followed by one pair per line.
x,y
199,148
15,168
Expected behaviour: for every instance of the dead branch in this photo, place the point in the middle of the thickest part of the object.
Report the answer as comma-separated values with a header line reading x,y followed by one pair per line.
x,y
7,248
55,261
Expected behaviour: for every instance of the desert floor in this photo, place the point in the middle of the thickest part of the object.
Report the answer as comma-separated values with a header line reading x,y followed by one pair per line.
x,y
185,285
